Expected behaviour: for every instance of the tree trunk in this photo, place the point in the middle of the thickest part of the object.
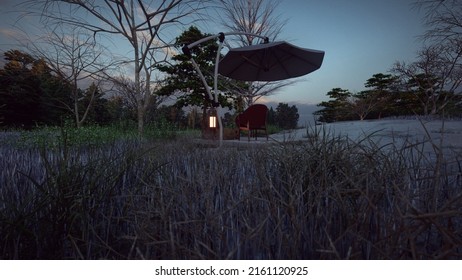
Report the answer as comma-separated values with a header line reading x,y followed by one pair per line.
x,y
87,110
140,121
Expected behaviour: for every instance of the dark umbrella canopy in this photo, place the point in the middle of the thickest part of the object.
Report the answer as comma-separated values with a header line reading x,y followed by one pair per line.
x,y
270,62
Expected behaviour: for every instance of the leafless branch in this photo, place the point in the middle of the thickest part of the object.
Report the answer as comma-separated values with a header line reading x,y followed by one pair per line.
x,y
437,71
257,17
73,56
443,18
140,23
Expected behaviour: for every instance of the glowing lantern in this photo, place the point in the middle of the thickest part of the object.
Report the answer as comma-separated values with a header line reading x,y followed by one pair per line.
x,y
212,122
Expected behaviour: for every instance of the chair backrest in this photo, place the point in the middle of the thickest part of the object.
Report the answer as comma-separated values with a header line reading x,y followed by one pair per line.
x,y
255,115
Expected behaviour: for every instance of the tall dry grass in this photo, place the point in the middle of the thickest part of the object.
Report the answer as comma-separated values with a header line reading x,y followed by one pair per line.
x,y
325,197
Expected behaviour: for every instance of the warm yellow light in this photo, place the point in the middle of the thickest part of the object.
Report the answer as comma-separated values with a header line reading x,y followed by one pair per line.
x,y
213,121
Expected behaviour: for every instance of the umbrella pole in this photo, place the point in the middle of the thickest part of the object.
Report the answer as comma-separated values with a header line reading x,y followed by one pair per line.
x,y
221,37
201,76
215,87
209,93
213,97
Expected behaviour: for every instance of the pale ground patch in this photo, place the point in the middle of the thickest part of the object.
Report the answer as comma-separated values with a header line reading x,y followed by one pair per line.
x,y
445,135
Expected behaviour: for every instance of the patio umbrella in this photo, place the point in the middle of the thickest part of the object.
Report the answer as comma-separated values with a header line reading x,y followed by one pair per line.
x,y
269,62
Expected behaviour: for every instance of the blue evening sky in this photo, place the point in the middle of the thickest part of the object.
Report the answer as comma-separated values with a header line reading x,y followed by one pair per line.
x,y
360,38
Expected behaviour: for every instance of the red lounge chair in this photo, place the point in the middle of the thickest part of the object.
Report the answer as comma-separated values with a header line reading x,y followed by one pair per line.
x,y
253,119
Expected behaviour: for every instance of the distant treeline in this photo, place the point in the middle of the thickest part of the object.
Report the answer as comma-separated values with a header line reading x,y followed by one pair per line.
x,y
389,95
31,95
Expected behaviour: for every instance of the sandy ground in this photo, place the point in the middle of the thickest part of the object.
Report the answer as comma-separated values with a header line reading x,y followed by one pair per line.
x,y
444,134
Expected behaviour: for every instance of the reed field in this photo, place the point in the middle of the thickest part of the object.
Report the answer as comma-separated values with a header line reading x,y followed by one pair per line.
x,y
67,194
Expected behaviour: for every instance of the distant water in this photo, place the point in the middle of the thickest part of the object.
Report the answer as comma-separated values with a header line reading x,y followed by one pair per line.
x,y
305,120
305,112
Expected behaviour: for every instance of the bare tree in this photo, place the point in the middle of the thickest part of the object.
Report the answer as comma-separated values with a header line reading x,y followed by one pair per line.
x,y
435,77
258,90
257,17
124,87
443,18
438,69
75,57
142,24
362,104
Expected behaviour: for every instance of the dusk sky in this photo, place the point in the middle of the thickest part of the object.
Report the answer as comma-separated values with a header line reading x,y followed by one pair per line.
x,y
360,38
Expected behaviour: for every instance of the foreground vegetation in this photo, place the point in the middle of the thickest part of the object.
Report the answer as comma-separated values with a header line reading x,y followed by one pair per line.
x,y
115,197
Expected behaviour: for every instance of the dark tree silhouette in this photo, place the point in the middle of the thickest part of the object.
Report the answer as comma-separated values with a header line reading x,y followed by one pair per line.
x,y
286,116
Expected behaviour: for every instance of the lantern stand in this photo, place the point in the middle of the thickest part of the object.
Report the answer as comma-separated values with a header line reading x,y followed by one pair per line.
x,y
221,38
212,127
